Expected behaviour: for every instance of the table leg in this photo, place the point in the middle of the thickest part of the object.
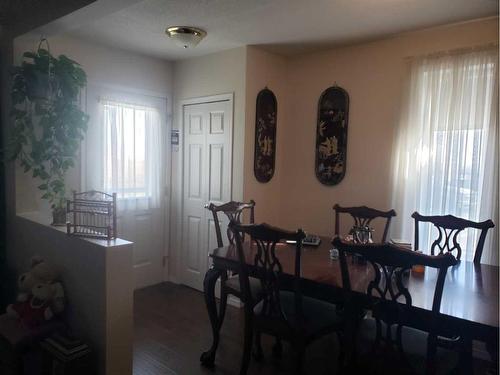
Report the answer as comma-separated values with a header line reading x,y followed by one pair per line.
x,y
207,358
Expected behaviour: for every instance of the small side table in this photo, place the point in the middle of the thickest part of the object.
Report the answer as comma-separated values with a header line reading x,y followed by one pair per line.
x,y
66,360
17,342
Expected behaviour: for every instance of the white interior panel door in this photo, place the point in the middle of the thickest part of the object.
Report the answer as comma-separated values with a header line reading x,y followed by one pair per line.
x,y
207,178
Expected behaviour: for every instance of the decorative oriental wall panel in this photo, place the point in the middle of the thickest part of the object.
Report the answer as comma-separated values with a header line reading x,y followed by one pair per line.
x,y
331,136
265,135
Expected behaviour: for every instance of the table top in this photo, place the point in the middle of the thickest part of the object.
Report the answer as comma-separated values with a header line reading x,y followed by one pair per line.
x,y
470,291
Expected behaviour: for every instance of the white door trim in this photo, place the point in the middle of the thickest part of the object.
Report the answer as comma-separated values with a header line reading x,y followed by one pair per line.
x,y
179,220
208,99
92,92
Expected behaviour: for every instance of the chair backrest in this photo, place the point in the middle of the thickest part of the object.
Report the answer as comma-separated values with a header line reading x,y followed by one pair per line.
x,y
267,266
363,216
449,227
390,266
233,211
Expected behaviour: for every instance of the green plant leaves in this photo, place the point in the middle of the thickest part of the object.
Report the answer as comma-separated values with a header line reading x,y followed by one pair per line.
x,y
48,123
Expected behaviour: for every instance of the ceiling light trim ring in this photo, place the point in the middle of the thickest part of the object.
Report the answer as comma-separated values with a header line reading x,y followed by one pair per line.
x,y
186,36
173,30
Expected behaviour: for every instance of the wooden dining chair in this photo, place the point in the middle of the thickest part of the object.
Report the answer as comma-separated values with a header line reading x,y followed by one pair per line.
x,y
363,216
233,211
281,313
393,321
230,284
449,227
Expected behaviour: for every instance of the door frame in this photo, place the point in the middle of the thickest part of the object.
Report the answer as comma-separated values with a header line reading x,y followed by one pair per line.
x,y
98,89
180,118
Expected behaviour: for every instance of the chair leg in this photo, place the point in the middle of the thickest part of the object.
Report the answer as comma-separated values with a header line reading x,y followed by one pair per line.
x,y
342,353
347,342
399,339
258,353
223,299
247,346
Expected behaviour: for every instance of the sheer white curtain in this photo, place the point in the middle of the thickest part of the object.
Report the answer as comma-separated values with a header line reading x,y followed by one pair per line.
x,y
446,157
131,154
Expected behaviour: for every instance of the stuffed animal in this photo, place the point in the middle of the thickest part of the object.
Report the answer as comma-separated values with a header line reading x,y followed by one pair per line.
x,y
41,272
38,308
40,296
57,298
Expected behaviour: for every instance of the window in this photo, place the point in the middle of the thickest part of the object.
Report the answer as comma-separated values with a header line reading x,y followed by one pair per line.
x,y
131,152
446,159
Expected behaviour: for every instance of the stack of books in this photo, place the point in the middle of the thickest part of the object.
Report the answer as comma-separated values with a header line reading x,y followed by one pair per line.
x,y
401,243
65,348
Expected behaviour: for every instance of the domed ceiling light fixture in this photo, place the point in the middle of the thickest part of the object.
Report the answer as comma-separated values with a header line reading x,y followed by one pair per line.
x,y
185,36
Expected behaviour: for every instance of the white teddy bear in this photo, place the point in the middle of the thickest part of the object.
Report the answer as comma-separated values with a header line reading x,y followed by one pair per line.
x,y
40,272
40,297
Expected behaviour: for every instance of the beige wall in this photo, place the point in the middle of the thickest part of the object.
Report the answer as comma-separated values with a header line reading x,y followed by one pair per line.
x,y
374,75
99,293
218,73
100,300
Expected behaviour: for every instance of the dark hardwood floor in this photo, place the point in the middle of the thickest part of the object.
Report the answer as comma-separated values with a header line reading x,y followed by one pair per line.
x,y
172,329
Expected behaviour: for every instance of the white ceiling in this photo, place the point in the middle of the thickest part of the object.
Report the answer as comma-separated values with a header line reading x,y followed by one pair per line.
x,y
284,26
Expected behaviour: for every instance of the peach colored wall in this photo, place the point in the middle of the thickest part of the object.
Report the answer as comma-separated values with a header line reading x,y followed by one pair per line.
x,y
374,75
264,69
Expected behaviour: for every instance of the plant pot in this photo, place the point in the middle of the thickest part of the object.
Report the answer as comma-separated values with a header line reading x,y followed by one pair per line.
x,y
38,87
59,216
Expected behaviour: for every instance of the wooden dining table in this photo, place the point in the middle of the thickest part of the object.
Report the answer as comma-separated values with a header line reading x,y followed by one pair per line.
x,y
469,306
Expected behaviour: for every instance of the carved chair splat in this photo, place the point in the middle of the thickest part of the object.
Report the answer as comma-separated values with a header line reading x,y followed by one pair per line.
x,y
233,211
230,285
391,299
363,216
449,227
281,313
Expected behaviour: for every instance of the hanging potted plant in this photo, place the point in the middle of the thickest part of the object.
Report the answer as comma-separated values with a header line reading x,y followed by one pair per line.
x,y
48,123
